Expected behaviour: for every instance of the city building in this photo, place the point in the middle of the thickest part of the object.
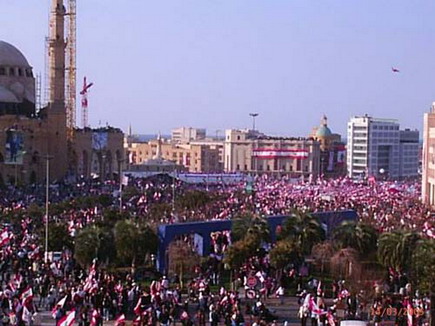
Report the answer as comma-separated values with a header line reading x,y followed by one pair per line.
x,y
250,151
428,164
155,165
376,147
332,150
187,134
200,158
409,153
33,137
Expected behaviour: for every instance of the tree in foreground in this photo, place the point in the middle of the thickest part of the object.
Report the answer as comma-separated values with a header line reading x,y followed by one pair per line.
x,y
359,236
94,242
304,229
133,242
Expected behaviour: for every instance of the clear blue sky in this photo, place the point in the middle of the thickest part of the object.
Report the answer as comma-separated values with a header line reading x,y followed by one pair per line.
x,y
208,63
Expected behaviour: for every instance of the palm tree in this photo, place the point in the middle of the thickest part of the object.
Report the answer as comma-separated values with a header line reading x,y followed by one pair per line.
x,y
397,248
359,236
305,229
251,225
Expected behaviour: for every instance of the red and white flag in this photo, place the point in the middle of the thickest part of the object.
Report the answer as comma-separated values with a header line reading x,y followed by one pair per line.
x,y
27,295
120,321
137,310
95,316
331,320
27,315
5,237
59,305
68,319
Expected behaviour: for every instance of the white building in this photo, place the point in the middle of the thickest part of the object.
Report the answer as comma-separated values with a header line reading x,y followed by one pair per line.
x,y
428,175
187,134
376,147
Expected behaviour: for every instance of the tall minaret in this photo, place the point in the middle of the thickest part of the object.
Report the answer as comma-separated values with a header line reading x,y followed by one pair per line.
x,y
57,55
57,146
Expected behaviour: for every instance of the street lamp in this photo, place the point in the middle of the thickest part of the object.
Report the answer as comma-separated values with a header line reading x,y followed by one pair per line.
x,y
253,115
120,161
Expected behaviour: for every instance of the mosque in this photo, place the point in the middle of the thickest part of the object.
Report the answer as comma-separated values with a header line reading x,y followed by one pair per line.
x,y
31,139
332,150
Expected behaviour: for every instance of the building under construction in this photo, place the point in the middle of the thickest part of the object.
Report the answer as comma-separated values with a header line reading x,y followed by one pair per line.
x,y
34,135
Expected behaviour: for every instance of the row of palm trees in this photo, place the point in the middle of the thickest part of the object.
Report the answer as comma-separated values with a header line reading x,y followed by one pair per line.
x,y
403,250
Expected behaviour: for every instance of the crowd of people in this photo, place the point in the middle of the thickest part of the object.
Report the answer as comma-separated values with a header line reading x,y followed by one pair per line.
x,y
32,283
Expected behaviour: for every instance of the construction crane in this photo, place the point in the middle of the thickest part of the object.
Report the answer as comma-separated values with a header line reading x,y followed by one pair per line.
x,y
71,68
84,94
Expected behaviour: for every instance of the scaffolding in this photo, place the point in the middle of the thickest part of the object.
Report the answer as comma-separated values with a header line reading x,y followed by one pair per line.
x,y
38,87
71,68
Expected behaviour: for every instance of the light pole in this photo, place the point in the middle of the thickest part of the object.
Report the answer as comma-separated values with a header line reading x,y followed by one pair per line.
x,y
120,161
47,192
253,115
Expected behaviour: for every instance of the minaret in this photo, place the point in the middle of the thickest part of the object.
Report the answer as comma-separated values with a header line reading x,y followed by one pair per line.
x,y
57,145
158,155
57,55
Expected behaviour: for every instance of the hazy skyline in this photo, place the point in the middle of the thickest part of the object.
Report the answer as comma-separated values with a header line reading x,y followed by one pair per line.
x,y
208,63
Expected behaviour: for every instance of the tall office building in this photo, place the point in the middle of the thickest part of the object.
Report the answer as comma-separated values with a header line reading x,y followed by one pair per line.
x,y
376,147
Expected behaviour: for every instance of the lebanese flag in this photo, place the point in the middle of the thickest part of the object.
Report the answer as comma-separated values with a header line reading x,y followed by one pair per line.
x,y
60,304
137,310
27,295
68,319
314,308
331,320
95,316
27,315
4,238
120,320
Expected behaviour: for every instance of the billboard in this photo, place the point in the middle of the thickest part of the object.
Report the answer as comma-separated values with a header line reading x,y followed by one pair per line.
x,y
14,147
266,153
99,140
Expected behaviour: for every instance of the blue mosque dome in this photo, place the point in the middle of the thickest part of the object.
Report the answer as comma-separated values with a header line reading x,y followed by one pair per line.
x,y
323,131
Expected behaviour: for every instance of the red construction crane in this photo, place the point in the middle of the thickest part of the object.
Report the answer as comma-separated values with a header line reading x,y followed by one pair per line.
x,y
84,94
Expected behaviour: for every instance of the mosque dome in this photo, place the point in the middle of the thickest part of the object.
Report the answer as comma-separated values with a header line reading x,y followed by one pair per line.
x,y
7,96
323,131
10,56
17,84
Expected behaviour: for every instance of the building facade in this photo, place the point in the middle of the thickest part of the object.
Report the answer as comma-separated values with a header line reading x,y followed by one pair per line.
x,y
376,147
428,165
332,150
201,157
409,153
187,134
249,151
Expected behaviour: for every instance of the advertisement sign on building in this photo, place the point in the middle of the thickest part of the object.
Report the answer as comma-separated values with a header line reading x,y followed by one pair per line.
x,y
14,148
